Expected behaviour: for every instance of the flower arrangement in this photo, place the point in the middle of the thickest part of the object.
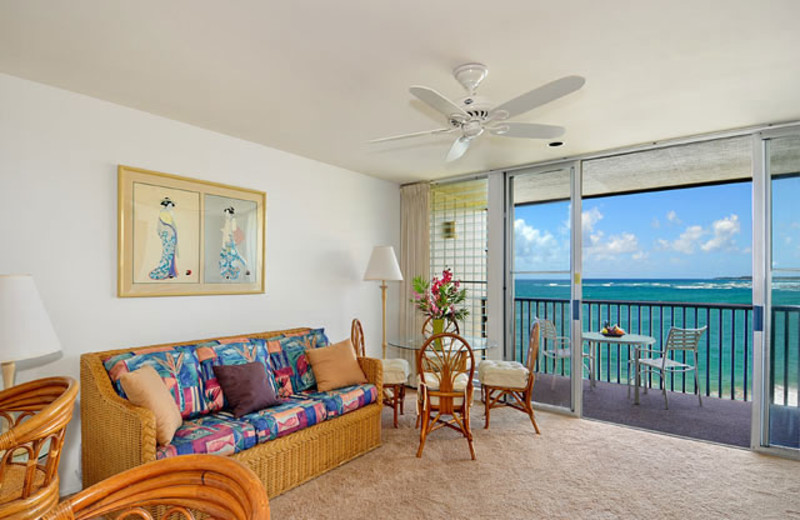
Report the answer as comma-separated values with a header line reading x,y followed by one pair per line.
x,y
440,298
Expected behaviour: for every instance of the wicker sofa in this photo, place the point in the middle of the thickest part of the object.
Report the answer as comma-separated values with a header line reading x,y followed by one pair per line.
x,y
116,435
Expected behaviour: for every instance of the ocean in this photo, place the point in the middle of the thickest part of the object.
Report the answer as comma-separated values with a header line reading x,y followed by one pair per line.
x,y
725,351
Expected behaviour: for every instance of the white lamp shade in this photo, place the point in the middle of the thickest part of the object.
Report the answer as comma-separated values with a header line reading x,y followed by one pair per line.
x,y
25,328
383,265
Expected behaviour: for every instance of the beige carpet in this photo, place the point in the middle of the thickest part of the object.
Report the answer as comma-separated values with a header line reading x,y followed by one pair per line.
x,y
575,469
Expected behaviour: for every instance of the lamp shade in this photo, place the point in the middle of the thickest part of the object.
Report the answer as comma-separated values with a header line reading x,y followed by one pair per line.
x,y
383,265
25,328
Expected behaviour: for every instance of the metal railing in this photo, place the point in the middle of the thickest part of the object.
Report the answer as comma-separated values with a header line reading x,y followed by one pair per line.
x,y
725,351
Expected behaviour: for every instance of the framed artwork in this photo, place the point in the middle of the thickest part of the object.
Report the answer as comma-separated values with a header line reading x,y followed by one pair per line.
x,y
181,237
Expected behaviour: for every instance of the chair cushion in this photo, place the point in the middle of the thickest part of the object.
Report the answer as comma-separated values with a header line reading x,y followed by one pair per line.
x,y
335,366
510,374
215,434
342,400
293,415
459,385
178,367
395,371
238,351
145,388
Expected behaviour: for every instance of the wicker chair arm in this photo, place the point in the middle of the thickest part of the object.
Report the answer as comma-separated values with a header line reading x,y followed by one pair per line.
x,y
116,434
373,369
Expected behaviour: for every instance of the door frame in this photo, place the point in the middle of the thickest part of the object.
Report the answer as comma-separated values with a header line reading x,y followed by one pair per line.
x,y
762,291
576,345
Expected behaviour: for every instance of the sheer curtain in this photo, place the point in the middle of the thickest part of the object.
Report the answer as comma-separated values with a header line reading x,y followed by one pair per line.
x,y
414,250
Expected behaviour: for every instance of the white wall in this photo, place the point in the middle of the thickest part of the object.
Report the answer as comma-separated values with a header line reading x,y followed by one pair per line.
x,y
59,153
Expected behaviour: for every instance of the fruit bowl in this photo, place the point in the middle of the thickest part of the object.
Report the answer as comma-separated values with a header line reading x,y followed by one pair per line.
x,y
612,332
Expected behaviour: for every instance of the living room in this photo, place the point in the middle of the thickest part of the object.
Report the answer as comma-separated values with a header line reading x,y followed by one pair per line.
x,y
282,99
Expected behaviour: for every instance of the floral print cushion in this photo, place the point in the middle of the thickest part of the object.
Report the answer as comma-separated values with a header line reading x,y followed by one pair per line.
x,y
216,434
178,368
342,400
283,419
289,362
236,351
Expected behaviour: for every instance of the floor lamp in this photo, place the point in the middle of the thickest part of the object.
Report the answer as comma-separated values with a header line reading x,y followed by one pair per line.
x,y
25,328
383,266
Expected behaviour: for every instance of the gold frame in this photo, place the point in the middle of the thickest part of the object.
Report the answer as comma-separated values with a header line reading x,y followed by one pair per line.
x,y
127,176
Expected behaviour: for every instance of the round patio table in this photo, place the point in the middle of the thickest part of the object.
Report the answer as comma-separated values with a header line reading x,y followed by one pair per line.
x,y
637,341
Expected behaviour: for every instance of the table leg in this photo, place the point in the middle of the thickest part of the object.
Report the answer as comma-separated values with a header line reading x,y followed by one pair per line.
x,y
637,353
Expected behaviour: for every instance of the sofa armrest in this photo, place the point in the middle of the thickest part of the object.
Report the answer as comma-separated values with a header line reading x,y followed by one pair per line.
x,y
373,369
115,434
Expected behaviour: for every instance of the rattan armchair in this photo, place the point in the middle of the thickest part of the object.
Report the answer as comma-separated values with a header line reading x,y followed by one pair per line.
x,y
36,416
174,488
445,386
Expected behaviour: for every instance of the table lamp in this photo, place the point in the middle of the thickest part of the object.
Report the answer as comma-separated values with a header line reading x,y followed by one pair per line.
x,y
25,328
383,266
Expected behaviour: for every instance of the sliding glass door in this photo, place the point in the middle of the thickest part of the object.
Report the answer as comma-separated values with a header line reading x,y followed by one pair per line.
x,y
540,216
782,332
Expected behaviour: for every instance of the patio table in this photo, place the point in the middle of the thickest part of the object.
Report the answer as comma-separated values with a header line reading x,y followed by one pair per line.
x,y
637,341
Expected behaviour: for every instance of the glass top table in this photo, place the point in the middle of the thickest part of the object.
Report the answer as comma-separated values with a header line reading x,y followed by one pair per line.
x,y
416,342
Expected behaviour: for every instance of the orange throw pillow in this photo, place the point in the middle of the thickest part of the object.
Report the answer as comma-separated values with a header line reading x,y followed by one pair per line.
x,y
144,387
335,366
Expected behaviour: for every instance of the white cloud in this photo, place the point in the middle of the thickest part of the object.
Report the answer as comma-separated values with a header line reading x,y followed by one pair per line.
x,y
535,249
655,224
601,247
724,232
672,216
640,255
688,240
589,219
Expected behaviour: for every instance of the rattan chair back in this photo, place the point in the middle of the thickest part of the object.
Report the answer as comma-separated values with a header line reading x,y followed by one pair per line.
x,y
450,325
446,368
357,338
533,352
176,488
35,417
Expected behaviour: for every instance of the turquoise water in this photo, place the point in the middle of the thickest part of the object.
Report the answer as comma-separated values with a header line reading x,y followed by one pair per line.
x,y
725,351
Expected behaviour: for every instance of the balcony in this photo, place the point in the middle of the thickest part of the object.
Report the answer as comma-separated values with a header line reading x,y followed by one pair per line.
x,y
724,367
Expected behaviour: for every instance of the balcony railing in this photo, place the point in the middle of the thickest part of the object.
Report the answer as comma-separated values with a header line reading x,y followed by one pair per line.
x,y
725,352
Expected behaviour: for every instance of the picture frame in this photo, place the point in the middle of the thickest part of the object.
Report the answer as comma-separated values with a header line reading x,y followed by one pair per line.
x,y
179,236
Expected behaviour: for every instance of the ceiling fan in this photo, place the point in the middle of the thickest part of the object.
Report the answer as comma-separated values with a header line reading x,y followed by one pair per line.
x,y
472,115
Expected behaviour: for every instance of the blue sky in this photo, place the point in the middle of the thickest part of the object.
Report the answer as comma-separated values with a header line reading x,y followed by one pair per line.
x,y
685,233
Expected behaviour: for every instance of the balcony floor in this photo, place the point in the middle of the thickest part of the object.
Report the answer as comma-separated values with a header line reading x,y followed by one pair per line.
x,y
718,420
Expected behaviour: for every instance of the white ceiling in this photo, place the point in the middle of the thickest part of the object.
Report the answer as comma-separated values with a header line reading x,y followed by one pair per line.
x,y
319,78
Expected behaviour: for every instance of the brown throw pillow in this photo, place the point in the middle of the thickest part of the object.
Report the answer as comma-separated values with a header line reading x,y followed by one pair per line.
x,y
246,387
144,387
335,366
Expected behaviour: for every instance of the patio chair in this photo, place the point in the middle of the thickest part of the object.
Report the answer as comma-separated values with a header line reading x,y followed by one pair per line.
x,y
445,386
36,416
557,347
510,383
661,363
395,373
173,488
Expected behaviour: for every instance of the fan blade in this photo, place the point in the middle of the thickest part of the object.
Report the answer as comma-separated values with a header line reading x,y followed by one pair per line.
x,y
415,134
433,99
539,96
458,149
527,130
